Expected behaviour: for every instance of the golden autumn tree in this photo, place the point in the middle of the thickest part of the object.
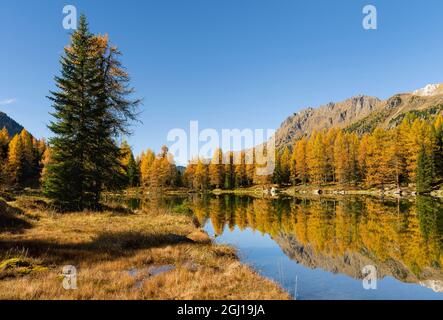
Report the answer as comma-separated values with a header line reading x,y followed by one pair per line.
x,y
345,157
353,144
414,133
130,171
240,175
201,176
398,154
16,160
250,166
162,172
293,167
229,170
216,169
341,158
317,158
301,162
329,143
362,156
283,168
188,176
263,163
146,160
28,153
45,162
379,170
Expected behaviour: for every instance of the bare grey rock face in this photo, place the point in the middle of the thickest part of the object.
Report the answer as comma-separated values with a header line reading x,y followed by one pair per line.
x,y
362,113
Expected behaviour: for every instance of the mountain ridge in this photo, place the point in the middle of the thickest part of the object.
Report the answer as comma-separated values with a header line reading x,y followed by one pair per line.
x,y
360,113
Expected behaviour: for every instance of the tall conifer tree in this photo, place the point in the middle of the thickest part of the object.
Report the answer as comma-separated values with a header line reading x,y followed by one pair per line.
x,y
91,110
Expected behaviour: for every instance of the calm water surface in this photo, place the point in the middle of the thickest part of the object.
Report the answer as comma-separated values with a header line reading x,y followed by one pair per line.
x,y
316,248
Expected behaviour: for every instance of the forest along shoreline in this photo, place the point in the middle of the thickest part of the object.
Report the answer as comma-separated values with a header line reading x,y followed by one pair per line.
x,y
151,253
391,191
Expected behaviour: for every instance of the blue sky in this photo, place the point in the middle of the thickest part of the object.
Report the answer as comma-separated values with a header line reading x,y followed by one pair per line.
x,y
226,63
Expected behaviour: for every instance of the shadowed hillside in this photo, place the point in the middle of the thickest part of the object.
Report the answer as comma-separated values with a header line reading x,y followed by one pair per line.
x,y
12,126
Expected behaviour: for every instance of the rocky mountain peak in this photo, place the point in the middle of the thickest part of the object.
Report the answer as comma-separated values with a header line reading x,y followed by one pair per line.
x,y
429,90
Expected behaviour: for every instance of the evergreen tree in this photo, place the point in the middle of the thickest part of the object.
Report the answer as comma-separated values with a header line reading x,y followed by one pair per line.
x,y
129,167
91,110
132,172
425,171
4,141
438,146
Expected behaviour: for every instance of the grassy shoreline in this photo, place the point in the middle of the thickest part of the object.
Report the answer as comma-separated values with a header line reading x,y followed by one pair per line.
x,y
118,254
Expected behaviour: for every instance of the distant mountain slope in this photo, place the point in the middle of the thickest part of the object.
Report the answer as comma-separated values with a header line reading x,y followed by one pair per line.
x,y
361,114
12,126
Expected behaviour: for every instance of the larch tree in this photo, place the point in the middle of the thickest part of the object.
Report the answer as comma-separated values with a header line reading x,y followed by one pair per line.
x,y
341,158
16,161
201,176
229,170
250,166
301,163
317,158
188,176
146,161
379,169
345,157
29,169
216,169
240,174
362,156
293,166
285,167
329,142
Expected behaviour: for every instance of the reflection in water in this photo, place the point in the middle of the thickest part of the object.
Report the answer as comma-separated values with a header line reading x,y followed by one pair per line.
x,y
402,237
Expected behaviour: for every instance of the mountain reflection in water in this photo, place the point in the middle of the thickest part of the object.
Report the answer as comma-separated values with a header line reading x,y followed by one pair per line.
x,y
338,236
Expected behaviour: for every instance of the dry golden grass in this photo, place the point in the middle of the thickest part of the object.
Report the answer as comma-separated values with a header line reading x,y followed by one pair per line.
x,y
115,253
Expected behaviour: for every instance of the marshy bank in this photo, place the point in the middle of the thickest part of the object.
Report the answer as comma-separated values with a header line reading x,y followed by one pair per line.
x,y
150,253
